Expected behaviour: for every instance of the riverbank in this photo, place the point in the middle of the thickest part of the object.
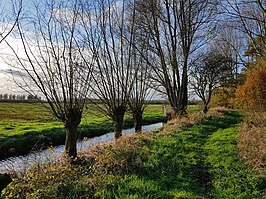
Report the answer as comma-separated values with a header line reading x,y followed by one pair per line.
x,y
27,127
20,165
191,158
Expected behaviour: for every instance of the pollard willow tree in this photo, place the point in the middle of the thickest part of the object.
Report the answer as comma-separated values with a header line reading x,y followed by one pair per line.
x,y
110,37
142,90
144,87
54,62
176,30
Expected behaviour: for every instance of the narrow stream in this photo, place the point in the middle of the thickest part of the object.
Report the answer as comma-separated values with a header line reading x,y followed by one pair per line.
x,y
21,164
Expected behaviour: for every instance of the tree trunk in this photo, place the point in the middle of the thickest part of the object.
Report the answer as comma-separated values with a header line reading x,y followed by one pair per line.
x,y
177,112
174,113
205,109
71,141
182,111
206,102
118,128
118,121
72,120
183,102
137,116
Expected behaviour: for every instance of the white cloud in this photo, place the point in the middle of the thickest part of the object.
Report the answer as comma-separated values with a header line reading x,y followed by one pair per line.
x,y
8,62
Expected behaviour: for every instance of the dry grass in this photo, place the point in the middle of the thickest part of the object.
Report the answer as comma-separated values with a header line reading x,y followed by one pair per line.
x,y
120,156
252,141
86,172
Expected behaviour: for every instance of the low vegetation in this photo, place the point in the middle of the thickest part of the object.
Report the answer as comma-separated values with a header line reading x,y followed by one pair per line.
x,y
252,94
189,158
252,140
29,126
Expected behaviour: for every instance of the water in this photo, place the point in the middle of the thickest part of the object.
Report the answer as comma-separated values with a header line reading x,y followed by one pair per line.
x,y
21,164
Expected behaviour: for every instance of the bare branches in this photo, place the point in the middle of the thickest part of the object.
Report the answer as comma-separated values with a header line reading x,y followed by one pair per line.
x,y
210,73
55,62
17,9
176,30
110,35
250,18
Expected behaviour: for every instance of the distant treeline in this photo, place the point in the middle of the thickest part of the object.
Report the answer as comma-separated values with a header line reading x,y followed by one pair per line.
x,y
14,97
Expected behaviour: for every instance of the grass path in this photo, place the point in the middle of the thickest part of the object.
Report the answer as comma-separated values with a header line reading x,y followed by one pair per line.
x,y
200,161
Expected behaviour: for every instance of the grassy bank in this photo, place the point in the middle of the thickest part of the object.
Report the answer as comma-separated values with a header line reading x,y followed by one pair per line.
x,y
196,161
29,126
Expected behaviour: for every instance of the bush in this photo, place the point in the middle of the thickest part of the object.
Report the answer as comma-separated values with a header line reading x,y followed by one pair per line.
x,y
224,97
252,94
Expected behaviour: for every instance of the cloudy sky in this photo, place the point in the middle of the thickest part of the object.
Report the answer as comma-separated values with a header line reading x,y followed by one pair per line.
x,y
7,85
7,18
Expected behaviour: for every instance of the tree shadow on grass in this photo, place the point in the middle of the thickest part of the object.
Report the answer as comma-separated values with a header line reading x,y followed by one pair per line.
x,y
177,162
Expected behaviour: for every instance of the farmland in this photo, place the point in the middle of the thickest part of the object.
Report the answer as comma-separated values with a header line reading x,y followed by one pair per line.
x,y
30,126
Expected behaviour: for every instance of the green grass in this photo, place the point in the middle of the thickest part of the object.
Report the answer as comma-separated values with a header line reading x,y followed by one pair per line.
x,y
231,178
199,161
29,126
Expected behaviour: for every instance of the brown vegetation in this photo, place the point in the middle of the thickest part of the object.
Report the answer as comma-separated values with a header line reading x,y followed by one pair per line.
x,y
252,94
252,141
224,97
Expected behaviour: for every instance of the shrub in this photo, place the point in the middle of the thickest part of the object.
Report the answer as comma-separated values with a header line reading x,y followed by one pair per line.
x,y
224,97
252,94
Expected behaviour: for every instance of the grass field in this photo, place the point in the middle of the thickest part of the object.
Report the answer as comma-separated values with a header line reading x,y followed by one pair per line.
x,y
29,126
196,161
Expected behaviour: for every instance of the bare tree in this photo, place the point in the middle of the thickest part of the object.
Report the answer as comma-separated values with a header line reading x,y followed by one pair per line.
x,y
231,43
250,17
177,29
142,90
210,73
54,62
143,87
110,36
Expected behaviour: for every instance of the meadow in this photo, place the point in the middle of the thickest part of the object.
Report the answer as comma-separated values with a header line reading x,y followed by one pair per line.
x,y
195,157
30,126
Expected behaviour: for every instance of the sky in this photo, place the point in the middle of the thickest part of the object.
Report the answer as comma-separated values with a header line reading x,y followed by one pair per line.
x,y
6,82
7,18
7,85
